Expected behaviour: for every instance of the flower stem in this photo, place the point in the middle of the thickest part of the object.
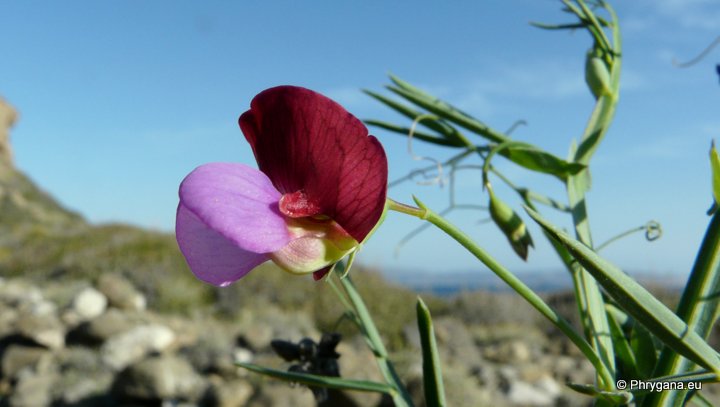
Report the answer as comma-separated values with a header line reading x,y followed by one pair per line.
x,y
352,298
508,277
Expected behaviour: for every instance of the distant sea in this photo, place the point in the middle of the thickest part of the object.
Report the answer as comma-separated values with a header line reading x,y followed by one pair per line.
x,y
450,283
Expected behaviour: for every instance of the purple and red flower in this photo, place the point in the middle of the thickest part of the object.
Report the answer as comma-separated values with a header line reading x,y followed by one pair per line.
x,y
320,190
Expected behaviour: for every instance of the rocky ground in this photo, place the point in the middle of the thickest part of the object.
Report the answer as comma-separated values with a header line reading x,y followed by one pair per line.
x,y
77,343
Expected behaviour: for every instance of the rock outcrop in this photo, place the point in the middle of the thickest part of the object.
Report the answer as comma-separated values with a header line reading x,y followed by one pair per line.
x,y
24,207
8,116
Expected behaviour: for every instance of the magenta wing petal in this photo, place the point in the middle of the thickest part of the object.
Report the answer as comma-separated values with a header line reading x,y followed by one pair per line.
x,y
212,257
306,142
228,220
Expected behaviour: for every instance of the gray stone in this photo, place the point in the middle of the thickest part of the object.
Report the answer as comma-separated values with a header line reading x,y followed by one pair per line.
x,y
462,389
455,342
121,293
43,329
74,394
213,353
525,394
242,355
160,378
357,362
233,393
32,390
107,325
549,386
131,346
258,338
84,380
81,359
16,293
485,376
17,358
40,307
271,323
506,375
89,303
520,351
281,394
8,318
513,351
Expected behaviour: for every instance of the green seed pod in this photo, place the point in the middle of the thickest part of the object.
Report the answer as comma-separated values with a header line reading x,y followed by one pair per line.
x,y
511,225
597,75
715,166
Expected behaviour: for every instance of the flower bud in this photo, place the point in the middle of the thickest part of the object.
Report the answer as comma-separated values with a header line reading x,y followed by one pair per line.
x,y
597,75
715,167
511,225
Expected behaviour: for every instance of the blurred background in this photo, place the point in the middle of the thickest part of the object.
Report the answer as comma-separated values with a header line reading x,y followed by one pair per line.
x,y
119,101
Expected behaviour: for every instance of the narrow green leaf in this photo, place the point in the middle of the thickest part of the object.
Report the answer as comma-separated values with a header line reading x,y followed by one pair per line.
x,y
613,397
404,131
444,110
432,372
623,350
529,195
620,316
700,400
404,110
643,346
320,381
372,336
694,377
569,26
637,301
699,305
415,90
698,376
450,133
423,212
533,158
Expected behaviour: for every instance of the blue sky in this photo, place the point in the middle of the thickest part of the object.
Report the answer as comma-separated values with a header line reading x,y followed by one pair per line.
x,y
120,100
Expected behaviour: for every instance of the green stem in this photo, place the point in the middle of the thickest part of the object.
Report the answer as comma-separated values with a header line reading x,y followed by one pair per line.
x,y
400,396
515,283
629,232
590,301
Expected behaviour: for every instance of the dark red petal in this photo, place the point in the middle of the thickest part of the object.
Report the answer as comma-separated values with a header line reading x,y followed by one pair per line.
x,y
307,143
318,275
